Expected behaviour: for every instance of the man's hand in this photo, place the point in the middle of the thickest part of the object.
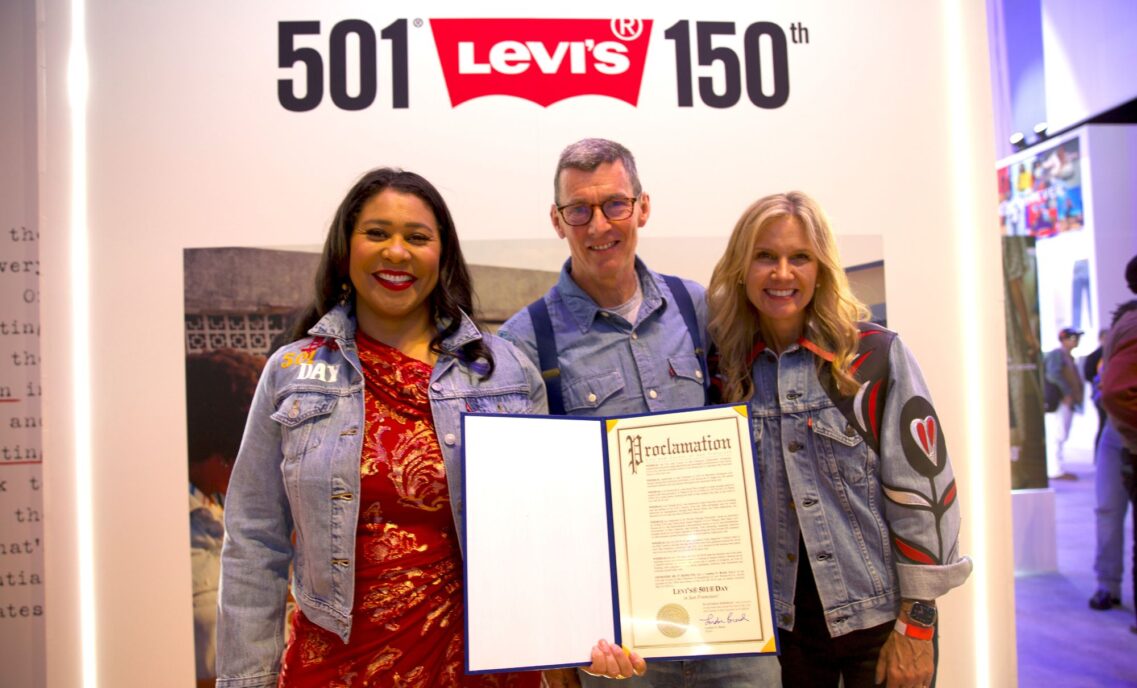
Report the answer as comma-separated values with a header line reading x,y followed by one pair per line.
x,y
905,662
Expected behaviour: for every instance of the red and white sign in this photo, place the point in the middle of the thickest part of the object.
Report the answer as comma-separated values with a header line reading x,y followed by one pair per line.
x,y
542,60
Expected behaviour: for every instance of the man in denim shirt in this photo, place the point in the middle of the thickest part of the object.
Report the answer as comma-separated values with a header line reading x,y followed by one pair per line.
x,y
622,343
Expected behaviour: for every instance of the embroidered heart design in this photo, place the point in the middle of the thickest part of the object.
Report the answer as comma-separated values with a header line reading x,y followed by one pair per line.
x,y
924,432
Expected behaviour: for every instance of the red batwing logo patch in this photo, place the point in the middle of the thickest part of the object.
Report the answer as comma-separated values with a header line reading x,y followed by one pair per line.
x,y
542,60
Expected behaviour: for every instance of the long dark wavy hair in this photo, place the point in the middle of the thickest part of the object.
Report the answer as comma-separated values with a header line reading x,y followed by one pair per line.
x,y
452,296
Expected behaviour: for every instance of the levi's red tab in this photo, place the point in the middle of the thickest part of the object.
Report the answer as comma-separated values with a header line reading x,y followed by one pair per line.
x,y
542,60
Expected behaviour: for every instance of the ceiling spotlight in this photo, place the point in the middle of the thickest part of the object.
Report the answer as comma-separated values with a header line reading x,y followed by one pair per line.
x,y
1018,141
1040,130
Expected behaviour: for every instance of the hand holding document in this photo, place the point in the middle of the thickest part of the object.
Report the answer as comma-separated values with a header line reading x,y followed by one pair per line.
x,y
642,529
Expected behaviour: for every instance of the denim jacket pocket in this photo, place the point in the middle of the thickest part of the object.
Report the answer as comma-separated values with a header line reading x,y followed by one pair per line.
x,y
843,447
503,402
589,393
294,413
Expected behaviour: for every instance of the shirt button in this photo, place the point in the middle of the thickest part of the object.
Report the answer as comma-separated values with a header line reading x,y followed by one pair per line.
x,y
698,375
605,314
791,556
592,397
450,439
635,336
652,393
437,387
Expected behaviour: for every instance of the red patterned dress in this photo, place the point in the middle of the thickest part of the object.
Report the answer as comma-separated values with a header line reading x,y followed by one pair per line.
x,y
407,626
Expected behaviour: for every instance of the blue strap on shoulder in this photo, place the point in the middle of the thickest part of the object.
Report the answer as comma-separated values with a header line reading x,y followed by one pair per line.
x,y
687,309
547,354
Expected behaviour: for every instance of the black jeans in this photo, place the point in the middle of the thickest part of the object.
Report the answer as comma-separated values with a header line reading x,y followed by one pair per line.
x,y
810,658
1129,479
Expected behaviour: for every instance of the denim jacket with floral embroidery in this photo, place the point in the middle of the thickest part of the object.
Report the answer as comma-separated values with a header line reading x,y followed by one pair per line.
x,y
868,487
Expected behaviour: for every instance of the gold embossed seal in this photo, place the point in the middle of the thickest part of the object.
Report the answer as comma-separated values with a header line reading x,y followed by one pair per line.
x,y
672,620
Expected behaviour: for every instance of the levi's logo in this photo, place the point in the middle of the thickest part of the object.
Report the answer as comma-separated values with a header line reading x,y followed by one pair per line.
x,y
542,60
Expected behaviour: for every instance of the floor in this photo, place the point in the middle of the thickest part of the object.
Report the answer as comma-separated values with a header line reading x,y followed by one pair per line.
x,y
1061,641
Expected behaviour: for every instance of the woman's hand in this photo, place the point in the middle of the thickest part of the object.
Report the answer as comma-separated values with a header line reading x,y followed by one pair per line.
x,y
905,662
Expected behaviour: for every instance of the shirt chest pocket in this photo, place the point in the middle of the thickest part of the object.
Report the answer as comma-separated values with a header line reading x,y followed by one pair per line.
x,y
583,396
840,447
303,419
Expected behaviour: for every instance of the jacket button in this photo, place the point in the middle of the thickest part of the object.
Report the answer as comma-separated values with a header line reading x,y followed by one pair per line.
x,y
450,439
698,375
794,446
652,393
437,387
592,397
791,557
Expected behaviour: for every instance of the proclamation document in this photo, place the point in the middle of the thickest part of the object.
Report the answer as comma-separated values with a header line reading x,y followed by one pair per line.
x,y
643,530
690,561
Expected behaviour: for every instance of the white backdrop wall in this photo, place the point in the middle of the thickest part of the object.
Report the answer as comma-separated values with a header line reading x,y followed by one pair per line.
x,y
189,147
1087,50
1112,167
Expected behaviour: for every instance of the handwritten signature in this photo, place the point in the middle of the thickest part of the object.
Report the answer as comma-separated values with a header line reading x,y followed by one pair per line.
x,y
715,620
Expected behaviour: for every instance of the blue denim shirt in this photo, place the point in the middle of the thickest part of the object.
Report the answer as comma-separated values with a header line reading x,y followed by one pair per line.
x,y
610,367
298,471
858,512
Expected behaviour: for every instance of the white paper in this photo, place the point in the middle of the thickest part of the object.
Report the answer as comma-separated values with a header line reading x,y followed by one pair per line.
x,y
538,574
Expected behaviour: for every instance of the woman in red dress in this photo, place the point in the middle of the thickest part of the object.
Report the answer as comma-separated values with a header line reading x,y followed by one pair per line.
x,y
353,446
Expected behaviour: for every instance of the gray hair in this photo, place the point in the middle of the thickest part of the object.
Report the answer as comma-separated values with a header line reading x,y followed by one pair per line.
x,y
588,154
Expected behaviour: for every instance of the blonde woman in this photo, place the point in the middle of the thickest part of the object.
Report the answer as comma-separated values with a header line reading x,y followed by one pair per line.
x,y
858,496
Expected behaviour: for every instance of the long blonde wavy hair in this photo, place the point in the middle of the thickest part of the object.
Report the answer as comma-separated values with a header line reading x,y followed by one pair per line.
x,y
831,316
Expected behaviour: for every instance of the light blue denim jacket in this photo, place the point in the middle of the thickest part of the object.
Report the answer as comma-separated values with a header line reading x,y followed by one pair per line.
x,y
858,512
610,367
298,470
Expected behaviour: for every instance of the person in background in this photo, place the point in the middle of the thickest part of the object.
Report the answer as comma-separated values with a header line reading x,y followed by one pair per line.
x,y
1060,370
219,389
1111,498
614,337
353,446
1119,396
858,498
1090,368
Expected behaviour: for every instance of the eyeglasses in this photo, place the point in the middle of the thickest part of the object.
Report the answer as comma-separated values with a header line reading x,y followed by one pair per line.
x,y
578,214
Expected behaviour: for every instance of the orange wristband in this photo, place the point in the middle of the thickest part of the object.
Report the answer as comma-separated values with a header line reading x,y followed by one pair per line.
x,y
914,631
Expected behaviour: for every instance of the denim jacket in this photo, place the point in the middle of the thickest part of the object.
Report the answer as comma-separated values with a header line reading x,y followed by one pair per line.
x,y
298,471
878,527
